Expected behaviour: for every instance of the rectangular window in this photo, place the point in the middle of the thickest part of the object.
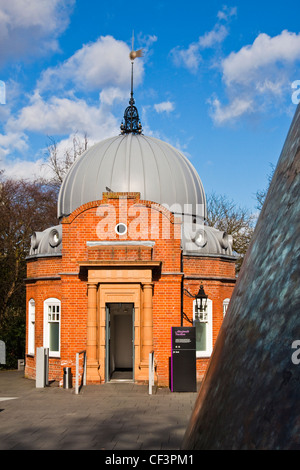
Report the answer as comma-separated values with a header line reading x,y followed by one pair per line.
x,y
52,326
31,326
203,325
225,306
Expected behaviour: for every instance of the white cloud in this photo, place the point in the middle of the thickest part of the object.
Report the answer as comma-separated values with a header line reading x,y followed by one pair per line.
x,y
61,116
24,169
227,12
258,76
16,167
232,111
249,62
165,106
213,37
190,57
12,141
56,117
31,27
58,108
104,63
110,95
267,85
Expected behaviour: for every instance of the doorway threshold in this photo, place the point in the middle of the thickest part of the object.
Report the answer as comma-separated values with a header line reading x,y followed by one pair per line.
x,y
121,375
121,380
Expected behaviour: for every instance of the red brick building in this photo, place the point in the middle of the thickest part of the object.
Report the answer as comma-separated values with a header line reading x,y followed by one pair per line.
x,y
121,268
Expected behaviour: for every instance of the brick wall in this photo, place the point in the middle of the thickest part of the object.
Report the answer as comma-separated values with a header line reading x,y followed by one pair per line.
x,y
61,277
41,291
217,275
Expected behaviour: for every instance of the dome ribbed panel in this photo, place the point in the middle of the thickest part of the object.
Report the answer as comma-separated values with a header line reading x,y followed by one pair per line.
x,y
136,181
87,178
153,173
133,163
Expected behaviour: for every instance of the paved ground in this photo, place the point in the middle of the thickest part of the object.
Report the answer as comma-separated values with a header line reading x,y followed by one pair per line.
x,y
114,416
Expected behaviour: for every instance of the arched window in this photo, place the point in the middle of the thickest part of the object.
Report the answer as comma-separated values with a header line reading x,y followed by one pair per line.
x,y
203,324
52,316
31,326
225,306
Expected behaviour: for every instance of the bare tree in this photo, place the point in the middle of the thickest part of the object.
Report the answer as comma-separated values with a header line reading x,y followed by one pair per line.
x,y
60,162
24,207
261,194
227,216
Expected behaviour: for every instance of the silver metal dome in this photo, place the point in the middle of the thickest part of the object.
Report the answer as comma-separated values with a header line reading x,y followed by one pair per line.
x,y
134,163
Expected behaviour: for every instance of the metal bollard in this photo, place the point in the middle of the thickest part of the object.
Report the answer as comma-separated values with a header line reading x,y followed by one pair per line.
x,y
67,378
42,367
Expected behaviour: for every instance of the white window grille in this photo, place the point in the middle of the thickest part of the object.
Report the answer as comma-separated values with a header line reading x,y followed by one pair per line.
x,y
52,317
225,306
203,325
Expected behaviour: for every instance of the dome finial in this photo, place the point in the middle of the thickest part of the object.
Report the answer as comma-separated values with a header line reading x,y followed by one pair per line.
x,y
131,123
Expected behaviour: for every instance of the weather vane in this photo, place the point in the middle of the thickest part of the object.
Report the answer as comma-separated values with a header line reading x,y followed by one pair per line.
x,y
134,54
131,123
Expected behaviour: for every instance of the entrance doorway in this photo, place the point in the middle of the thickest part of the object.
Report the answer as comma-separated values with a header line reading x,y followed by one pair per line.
x,y
119,348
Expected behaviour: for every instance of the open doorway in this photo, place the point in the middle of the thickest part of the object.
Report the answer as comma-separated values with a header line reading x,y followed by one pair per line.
x,y
119,341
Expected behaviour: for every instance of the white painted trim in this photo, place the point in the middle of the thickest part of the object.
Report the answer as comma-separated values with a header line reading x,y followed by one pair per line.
x,y
31,327
123,242
209,332
51,301
225,306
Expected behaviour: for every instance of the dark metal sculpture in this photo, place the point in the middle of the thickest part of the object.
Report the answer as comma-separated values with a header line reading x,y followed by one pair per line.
x,y
131,122
250,396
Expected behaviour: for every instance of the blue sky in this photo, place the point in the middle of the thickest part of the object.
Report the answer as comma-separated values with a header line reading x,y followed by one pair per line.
x,y
215,81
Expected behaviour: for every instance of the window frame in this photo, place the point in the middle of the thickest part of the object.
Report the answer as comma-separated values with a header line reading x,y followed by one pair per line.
x,y
31,327
225,304
209,330
52,301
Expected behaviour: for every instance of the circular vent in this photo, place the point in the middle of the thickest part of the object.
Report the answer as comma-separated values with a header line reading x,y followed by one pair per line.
x,y
54,238
121,229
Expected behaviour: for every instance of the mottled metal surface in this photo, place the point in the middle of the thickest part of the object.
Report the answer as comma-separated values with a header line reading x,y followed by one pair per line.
x,y
250,397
